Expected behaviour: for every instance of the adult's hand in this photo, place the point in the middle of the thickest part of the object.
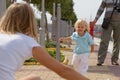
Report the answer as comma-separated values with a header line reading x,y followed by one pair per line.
x,y
94,22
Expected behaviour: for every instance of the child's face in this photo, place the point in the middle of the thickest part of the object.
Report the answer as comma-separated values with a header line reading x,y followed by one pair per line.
x,y
80,29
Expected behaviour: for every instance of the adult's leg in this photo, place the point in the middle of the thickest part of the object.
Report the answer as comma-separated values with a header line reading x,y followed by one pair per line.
x,y
31,77
105,38
116,43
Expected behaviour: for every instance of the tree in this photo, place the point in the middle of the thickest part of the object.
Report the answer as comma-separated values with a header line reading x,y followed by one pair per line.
x,y
66,8
8,2
2,7
67,12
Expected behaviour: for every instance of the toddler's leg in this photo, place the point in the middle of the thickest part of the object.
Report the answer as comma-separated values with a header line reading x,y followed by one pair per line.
x,y
83,67
76,62
31,77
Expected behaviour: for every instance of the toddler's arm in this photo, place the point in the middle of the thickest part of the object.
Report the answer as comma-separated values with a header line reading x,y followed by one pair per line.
x,y
92,48
64,39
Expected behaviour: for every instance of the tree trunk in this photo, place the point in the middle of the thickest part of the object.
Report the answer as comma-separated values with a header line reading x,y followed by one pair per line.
x,y
46,29
2,7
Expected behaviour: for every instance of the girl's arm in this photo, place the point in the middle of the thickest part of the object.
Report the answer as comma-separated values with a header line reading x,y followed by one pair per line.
x,y
64,39
64,71
92,48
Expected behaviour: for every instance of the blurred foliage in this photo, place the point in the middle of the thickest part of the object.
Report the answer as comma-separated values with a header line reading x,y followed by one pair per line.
x,y
53,54
31,60
66,8
8,3
50,45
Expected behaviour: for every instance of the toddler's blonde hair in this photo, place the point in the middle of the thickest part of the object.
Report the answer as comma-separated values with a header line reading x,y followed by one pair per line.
x,y
81,22
19,17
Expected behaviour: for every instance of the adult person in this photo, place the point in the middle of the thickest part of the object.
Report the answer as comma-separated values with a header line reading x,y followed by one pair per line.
x,y
18,32
108,6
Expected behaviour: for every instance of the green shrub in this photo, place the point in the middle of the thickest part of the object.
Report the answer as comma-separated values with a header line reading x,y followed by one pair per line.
x,y
50,45
53,54
31,60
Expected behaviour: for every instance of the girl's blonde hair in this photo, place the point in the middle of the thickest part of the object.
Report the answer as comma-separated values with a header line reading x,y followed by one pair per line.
x,y
19,17
81,22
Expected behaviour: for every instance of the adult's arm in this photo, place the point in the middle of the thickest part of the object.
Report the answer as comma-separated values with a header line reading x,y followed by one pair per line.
x,y
100,11
64,71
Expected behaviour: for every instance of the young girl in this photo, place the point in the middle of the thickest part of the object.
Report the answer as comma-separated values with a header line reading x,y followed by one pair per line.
x,y
17,43
82,49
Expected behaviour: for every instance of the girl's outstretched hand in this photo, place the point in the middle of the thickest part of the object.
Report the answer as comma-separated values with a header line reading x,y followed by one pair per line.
x,y
61,39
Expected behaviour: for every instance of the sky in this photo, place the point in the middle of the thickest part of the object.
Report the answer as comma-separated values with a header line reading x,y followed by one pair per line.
x,y
85,9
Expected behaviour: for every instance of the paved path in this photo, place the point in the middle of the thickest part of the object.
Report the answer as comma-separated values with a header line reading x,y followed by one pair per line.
x,y
105,72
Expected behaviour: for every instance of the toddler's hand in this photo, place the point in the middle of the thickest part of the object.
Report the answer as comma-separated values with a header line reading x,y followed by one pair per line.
x,y
61,39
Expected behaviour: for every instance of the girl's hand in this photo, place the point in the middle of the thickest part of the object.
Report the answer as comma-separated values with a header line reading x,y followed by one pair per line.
x,y
65,39
61,39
